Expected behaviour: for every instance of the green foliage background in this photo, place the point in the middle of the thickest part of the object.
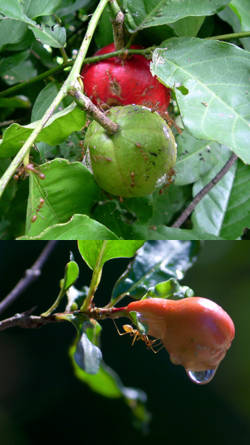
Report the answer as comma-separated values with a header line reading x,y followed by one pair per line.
x,y
209,81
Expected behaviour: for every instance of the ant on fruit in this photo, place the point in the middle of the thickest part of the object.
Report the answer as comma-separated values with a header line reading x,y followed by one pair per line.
x,y
137,335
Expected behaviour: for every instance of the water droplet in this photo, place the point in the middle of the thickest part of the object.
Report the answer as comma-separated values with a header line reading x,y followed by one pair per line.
x,y
201,377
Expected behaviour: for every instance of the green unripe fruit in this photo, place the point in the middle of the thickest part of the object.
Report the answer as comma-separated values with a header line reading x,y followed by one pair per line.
x,y
134,160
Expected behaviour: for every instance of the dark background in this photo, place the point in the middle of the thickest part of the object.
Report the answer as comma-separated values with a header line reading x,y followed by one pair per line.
x,y
41,401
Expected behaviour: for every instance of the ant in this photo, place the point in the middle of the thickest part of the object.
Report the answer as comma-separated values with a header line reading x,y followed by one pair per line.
x,y
137,335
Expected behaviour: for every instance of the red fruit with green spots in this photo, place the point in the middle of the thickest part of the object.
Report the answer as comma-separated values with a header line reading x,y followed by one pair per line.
x,y
124,81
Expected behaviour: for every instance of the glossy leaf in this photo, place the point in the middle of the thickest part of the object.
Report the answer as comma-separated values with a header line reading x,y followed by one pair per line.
x,y
78,227
156,261
145,13
169,289
71,274
96,253
211,81
108,384
195,158
87,353
57,129
225,210
68,188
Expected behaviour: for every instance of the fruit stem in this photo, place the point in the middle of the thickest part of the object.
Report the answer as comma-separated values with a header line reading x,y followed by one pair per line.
x,y
85,103
118,30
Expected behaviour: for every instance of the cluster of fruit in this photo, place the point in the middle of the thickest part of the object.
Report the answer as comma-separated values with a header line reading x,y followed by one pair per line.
x,y
137,158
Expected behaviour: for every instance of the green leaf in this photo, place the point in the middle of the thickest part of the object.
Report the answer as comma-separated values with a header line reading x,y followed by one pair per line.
x,y
68,188
17,68
195,158
13,9
145,13
54,36
156,261
71,274
79,227
57,129
167,204
43,101
11,31
15,102
210,80
38,8
189,26
162,232
225,210
70,6
104,32
96,253
169,289
241,9
87,353
237,15
108,384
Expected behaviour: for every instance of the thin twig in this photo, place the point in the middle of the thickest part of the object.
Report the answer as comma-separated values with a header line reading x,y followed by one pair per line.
x,y
183,217
30,276
85,103
25,320
28,321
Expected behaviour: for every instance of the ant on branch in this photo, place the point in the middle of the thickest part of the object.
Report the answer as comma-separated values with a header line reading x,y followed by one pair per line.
x,y
137,335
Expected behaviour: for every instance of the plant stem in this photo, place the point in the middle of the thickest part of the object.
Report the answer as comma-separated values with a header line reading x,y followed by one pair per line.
x,y
67,85
235,35
25,320
95,280
30,276
118,30
85,103
183,217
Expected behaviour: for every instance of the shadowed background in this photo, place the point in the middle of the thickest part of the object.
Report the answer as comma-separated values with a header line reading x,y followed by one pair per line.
x,y
41,400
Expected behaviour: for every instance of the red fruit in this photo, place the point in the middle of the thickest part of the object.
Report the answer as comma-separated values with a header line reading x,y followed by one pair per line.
x,y
196,331
118,81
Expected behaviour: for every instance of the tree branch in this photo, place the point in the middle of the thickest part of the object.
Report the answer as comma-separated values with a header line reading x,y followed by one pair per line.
x,y
30,276
183,217
27,321
85,103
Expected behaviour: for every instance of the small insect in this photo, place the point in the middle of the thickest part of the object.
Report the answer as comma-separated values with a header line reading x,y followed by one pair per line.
x,y
41,203
137,335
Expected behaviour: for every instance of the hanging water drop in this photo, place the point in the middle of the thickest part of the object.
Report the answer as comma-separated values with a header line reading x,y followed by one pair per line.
x,y
201,377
